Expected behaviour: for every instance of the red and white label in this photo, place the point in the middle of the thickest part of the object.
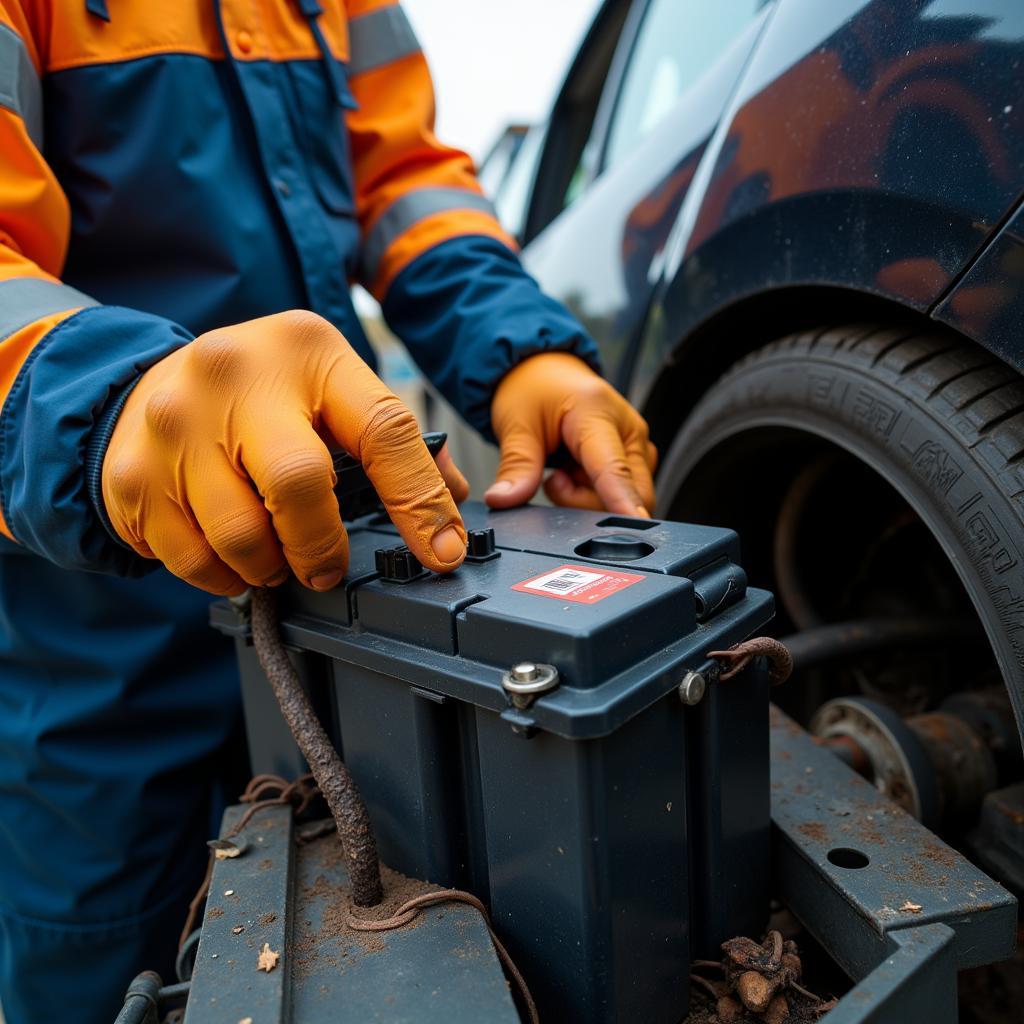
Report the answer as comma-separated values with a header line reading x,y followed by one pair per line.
x,y
584,584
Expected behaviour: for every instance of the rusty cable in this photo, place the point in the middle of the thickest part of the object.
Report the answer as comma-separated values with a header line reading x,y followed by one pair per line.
x,y
411,908
304,787
196,903
332,777
739,656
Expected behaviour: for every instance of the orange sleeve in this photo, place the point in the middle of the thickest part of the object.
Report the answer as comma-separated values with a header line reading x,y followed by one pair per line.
x,y
412,191
34,215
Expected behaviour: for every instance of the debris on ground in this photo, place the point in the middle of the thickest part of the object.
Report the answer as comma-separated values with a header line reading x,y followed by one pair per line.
x,y
755,982
267,959
228,847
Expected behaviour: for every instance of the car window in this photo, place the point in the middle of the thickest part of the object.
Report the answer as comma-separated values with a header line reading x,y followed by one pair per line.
x,y
677,42
572,117
513,198
494,167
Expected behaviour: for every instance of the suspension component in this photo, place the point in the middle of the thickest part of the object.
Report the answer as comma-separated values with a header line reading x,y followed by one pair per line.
x,y
935,765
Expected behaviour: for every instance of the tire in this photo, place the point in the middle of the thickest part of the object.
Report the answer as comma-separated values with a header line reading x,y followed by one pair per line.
x,y
937,417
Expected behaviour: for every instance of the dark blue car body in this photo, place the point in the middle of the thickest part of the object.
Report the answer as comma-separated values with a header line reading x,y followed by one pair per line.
x,y
837,159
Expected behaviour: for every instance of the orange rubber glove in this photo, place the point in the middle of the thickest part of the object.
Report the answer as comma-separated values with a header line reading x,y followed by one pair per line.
x,y
219,463
555,398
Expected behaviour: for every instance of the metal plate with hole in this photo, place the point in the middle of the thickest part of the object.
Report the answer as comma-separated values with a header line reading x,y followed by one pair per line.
x,y
865,878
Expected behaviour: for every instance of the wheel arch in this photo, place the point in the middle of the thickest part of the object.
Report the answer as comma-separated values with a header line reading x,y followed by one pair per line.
x,y
744,326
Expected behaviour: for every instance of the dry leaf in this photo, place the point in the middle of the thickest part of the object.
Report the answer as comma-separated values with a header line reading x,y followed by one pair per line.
x,y
268,959
911,908
227,852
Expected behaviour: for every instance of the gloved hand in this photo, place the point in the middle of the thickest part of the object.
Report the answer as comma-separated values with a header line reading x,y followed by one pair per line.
x,y
554,398
219,464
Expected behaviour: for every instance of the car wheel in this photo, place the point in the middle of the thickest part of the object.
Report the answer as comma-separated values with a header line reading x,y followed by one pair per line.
x,y
875,475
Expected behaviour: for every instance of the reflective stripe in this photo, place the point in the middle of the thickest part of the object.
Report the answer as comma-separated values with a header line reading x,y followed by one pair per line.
x,y
23,300
20,90
411,208
380,37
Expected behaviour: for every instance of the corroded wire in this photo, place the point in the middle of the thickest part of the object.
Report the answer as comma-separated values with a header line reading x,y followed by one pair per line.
x,y
333,778
739,656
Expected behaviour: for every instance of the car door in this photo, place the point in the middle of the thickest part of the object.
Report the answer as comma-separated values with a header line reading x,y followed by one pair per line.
x,y
625,137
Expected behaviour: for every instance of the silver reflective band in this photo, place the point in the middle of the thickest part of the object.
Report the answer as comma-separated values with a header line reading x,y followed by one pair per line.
x,y
378,38
20,90
411,208
23,300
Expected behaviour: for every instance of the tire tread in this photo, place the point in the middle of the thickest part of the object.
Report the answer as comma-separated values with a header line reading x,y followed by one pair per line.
x,y
954,378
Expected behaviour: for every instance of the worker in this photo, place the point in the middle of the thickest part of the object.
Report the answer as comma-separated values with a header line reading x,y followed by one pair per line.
x,y
187,190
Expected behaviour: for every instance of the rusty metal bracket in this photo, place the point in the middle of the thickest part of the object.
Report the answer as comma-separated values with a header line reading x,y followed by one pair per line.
x,y
286,896
899,910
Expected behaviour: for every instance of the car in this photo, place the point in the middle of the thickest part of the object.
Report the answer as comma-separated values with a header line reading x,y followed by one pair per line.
x,y
796,231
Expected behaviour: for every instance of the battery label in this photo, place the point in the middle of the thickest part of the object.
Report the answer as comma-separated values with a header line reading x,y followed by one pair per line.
x,y
583,584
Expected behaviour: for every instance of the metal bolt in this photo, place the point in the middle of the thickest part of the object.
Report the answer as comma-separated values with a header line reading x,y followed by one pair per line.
x,y
526,680
691,689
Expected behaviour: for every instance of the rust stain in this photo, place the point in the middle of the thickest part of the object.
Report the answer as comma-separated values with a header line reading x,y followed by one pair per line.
x,y
939,853
814,830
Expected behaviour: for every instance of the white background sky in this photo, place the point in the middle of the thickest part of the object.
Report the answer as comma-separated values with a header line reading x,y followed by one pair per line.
x,y
496,61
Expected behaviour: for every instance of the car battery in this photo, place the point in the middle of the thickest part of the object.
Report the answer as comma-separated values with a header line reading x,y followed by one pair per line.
x,y
544,727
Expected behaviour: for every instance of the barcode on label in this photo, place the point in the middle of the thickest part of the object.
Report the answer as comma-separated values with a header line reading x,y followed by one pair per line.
x,y
577,584
563,581
561,584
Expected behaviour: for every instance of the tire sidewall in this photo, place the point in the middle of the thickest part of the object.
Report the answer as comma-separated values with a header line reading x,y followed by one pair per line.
x,y
861,408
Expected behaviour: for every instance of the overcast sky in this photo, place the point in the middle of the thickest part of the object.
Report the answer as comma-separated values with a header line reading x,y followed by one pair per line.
x,y
495,61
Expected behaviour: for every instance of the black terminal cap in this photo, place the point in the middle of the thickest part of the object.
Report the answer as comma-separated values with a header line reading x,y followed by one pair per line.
x,y
356,496
398,565
480,545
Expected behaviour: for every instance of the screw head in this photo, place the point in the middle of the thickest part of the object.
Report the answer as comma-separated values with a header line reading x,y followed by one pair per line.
x,y
526,680
691,689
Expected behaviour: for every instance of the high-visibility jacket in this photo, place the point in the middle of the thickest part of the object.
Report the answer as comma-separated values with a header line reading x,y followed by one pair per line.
x,y
167,167
170,167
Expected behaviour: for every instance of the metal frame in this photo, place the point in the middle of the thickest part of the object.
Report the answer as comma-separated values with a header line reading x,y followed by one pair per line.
x,y
283,892
899,910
